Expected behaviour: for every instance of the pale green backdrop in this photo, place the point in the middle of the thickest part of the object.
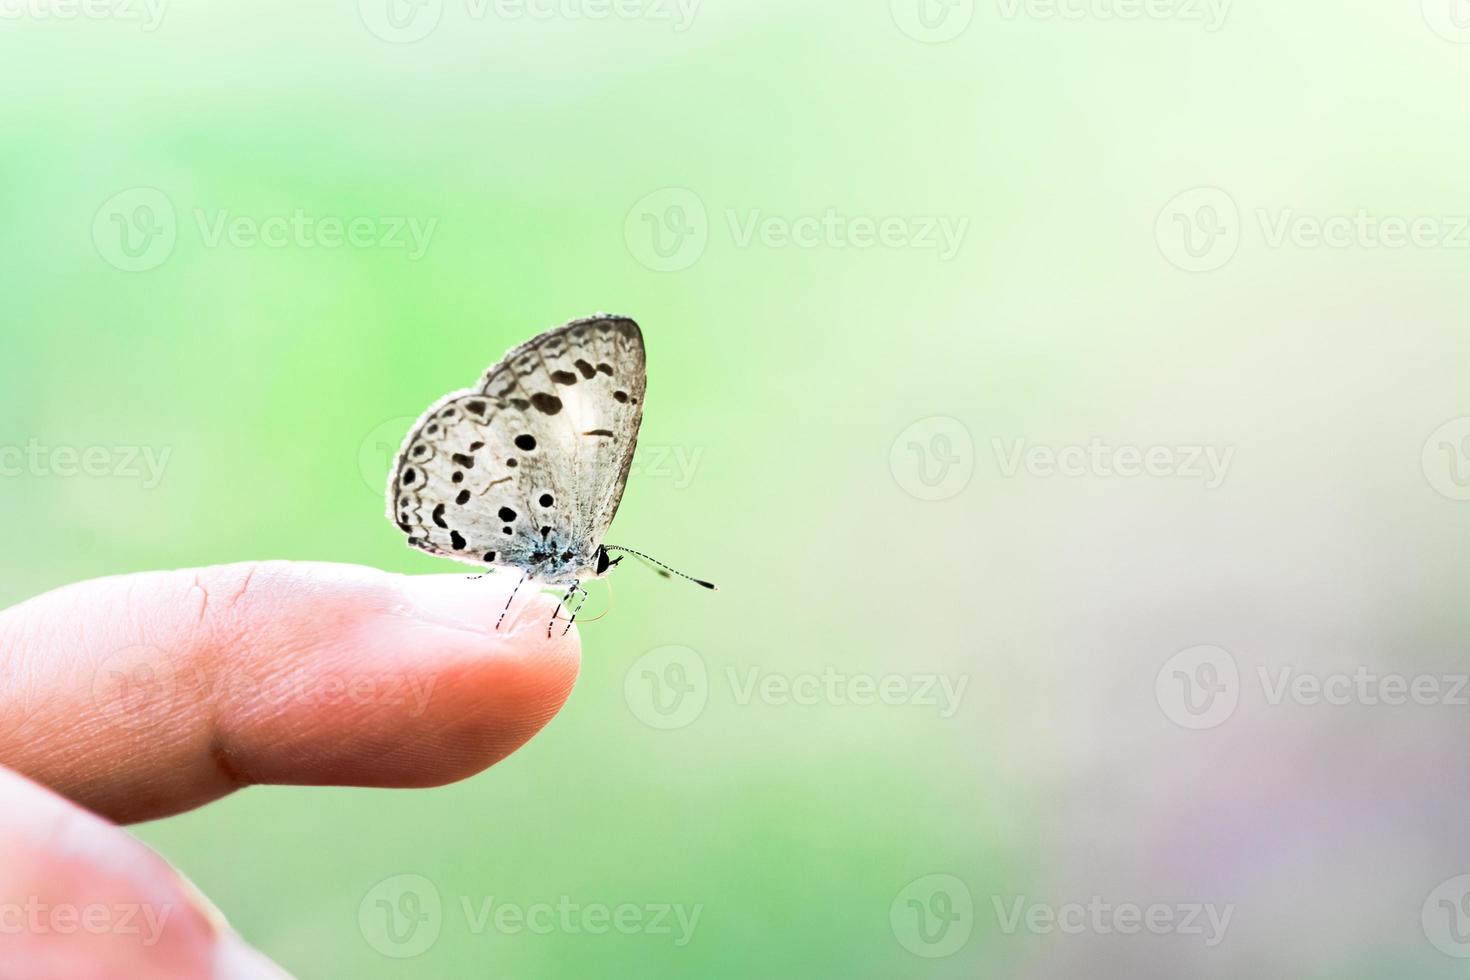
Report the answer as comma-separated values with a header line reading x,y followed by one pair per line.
x,y
890,259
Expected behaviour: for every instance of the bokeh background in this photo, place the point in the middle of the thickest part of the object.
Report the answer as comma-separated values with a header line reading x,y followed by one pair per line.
x,y
887,256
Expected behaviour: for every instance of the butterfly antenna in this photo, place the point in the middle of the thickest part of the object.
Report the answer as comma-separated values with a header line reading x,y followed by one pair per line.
x,y
661,568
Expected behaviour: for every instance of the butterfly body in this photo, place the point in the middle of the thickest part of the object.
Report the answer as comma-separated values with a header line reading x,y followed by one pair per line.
x,y
526,469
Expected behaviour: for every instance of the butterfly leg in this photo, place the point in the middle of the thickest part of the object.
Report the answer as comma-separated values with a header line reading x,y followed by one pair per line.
x,y
554,612
510,600
577,586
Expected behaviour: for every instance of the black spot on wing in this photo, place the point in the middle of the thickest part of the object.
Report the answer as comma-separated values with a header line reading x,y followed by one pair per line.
x,y
546,404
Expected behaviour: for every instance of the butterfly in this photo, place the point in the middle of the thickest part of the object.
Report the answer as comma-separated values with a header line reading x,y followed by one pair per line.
x,y
526,469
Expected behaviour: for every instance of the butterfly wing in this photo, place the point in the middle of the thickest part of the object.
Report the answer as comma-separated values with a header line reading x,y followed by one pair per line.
x,y
538,452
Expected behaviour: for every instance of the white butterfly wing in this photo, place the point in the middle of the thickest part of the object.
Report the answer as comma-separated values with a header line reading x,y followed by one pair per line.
x,y
537,455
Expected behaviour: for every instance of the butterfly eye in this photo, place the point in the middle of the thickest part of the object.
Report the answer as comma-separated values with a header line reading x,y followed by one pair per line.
x,y
566,556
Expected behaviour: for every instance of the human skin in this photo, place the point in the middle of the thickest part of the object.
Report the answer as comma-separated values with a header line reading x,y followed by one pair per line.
x,y
132,698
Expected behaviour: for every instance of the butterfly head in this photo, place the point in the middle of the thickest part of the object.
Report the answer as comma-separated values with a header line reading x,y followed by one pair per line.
x,y
604,562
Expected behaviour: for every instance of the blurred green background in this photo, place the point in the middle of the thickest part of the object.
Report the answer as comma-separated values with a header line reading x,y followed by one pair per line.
x,y
876,249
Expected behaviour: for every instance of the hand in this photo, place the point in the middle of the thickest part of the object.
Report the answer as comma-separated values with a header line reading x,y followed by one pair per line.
x,y
145,695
